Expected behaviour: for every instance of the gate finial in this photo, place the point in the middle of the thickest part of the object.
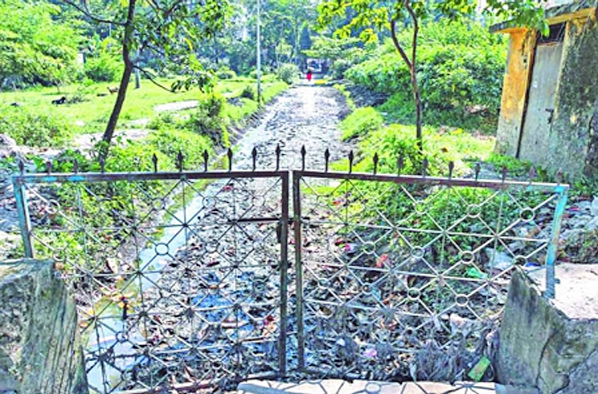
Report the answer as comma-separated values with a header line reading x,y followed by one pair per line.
x,y
154,160
49,167
21,166
205,160
478,168
229,154
532,174
400,164
254,157
326,158
277,157
76,166
375,160
425,167
451,168
559,176
303,153
179,160
504,173
103,164
351,158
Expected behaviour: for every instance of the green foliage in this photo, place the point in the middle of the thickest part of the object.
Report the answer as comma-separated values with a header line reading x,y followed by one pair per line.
x,y
225,73
343,53
209,119
34,48
192,145
460,73
249,92
103,68
35,129
288,73
361,122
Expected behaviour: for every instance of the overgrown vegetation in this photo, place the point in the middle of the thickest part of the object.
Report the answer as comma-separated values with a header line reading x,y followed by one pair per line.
x,y
460,73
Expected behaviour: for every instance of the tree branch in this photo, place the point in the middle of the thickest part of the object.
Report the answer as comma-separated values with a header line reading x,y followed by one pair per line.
x,y
393,35
85,11
152,79
415,30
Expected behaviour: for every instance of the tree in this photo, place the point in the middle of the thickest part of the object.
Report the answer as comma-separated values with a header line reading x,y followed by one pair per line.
x,y
33,47
169,29
367,18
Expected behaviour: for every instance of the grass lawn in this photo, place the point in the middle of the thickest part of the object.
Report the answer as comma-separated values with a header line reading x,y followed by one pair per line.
x,y
92,113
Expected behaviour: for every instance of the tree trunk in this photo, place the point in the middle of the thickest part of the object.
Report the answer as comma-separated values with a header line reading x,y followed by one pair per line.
x,y
124,82
418,109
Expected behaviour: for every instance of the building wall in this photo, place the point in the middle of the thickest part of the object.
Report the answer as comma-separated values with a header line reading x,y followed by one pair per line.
x,y
517,72
573,140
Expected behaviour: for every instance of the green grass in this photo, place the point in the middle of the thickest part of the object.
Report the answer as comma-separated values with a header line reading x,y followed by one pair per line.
x,y
91,115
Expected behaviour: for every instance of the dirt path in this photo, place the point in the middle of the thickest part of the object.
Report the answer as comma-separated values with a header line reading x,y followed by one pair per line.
x,y
304,116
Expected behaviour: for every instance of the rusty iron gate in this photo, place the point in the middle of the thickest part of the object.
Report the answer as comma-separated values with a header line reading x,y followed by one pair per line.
x,y
183,282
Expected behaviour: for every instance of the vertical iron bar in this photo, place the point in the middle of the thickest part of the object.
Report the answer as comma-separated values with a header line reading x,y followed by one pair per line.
x,y
24,220
284,267
299,268
553,242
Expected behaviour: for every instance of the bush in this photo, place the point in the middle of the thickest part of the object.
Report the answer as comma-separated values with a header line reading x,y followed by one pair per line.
x,y
224,73
288,73
35,129
249,93
192,145
361,122
460,76
209,119
103,68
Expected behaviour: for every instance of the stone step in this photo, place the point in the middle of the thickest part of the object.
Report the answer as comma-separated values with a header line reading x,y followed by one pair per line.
x,y
335,386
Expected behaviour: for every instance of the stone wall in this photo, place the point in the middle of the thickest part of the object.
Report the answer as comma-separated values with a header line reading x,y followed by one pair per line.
x,y
573,139
551,345
573,136
39,348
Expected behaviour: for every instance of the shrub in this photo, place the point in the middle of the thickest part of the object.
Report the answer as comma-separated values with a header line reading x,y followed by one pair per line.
x,y
103,68
288,73
192,145
209,119
361,122
224,73
35,129
249,93
460,73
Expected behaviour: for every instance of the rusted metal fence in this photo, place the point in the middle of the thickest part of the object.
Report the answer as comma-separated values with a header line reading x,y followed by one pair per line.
x,y
183,281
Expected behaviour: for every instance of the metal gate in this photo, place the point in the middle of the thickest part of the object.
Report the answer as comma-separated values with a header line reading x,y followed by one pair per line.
x,y
182,279
179,277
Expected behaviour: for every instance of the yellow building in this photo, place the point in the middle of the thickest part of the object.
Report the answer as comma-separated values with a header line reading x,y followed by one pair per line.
x,y
549,109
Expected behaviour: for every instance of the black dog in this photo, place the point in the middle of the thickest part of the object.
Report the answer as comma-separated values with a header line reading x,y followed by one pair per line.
x,y
59,101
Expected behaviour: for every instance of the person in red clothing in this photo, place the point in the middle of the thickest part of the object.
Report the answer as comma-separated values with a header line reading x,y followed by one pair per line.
x,y
309,75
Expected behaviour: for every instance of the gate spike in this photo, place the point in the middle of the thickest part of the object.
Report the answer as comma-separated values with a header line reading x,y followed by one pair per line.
x,y
103,164
400,165
478,168
425,167
155,161
504,173
532,174
76,166
21,166
376,159
303,153
254,157
205,160
49,167
451,168
326,158
229,154
559,176
277,156
351,158
179,160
